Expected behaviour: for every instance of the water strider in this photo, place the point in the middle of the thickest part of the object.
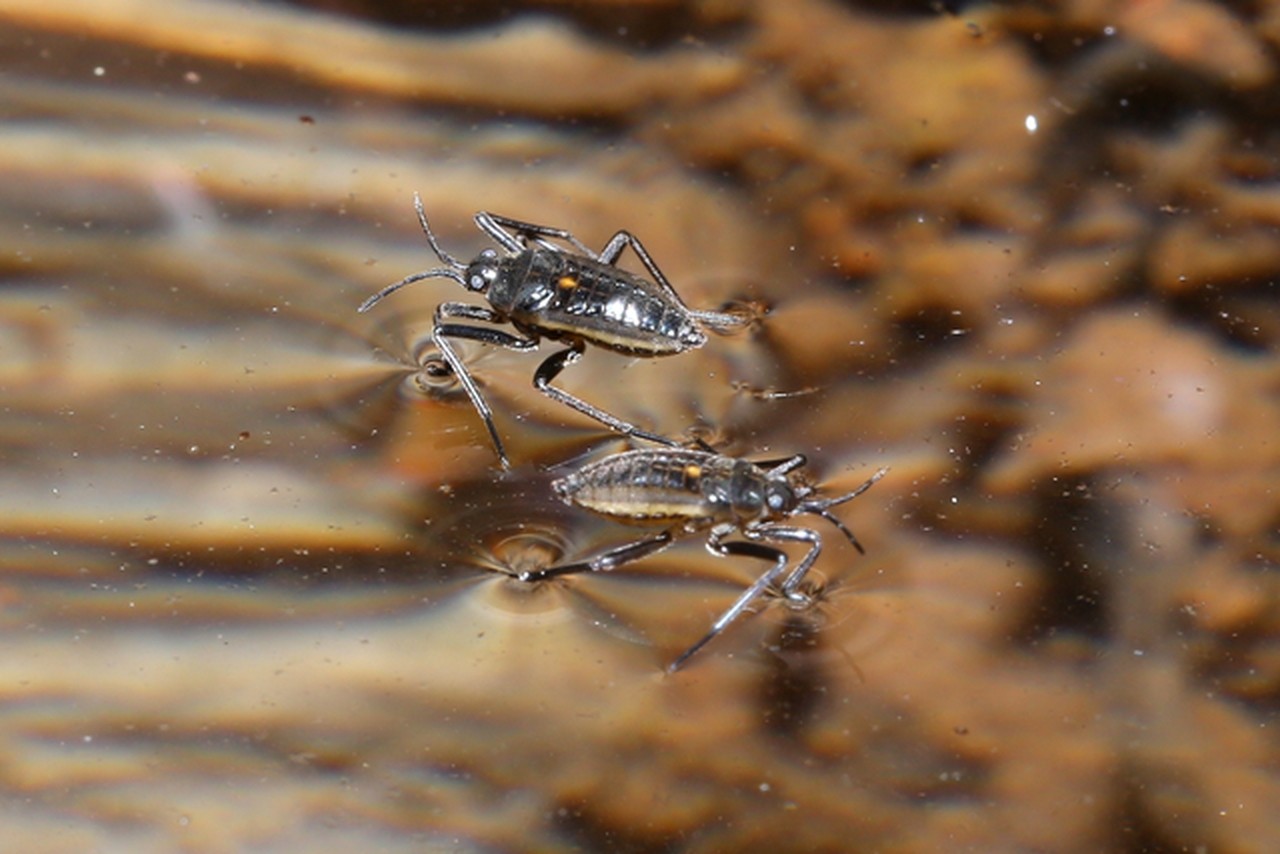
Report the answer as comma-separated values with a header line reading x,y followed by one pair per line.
x,y
686,491
545,291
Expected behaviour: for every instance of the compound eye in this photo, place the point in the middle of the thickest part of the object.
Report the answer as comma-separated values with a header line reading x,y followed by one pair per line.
x,y
481,276
778,498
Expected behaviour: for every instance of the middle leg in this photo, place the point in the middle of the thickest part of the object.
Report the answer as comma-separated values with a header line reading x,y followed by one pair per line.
x,y
557,362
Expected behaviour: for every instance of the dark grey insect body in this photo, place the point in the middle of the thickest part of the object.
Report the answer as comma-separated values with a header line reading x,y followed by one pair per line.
x,y
579,297
686,491
571,298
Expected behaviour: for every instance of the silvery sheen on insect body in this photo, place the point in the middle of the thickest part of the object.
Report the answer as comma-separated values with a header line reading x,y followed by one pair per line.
x,y
574,295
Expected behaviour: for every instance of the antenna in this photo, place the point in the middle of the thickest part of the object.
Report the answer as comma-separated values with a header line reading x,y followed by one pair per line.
x,y
822,507
438,273
453,271
431,238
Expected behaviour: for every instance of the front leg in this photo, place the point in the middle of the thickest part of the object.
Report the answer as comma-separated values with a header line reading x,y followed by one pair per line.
x,y
441,335
467,311
787,533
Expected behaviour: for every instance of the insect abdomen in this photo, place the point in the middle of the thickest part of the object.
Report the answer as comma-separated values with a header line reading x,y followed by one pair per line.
x,y
570,297
644,486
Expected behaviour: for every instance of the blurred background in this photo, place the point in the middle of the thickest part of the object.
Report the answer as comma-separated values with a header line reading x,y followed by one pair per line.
x,y
256,552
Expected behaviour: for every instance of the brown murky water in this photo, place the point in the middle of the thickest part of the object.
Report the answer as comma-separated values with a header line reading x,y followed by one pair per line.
x,y
257,558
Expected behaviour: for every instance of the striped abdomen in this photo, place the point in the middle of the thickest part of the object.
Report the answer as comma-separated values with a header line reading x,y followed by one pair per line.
x,y
656,486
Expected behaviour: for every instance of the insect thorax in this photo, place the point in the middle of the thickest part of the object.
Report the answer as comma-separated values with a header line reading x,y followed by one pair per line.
x,y
506,291
744,492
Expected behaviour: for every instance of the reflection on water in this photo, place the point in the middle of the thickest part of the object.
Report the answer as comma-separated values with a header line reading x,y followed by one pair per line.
x,y
260,566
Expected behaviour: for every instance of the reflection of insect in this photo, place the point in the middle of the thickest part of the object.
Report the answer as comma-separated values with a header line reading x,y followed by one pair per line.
x,y
691,490
577,296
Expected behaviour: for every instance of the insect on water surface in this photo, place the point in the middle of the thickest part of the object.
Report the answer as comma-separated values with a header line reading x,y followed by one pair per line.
x,y
692,490
580,297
